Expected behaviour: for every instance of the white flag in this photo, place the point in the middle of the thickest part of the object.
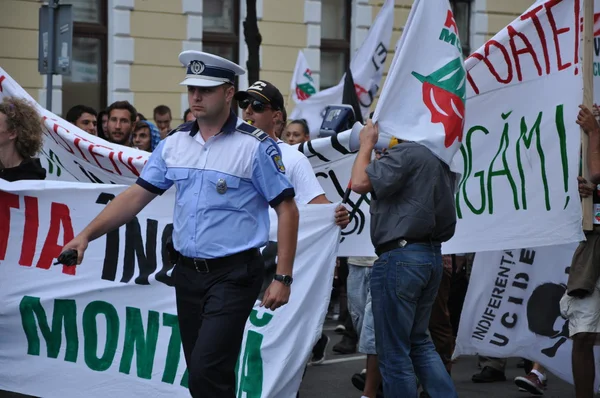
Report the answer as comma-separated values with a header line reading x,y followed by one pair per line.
x,y
423,99
303,85
367,71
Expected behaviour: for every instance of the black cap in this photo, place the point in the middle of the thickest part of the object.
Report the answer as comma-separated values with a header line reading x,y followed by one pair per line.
x,y
263,91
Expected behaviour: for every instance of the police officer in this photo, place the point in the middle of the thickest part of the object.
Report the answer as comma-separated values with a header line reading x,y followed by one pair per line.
x,y
227,173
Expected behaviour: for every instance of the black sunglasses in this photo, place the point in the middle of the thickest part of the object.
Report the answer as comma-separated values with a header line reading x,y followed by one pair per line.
x,y
257,106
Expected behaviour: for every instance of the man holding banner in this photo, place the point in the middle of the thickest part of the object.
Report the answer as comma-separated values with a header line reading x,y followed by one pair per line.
x,y
412,213
261,105
221,220
581,303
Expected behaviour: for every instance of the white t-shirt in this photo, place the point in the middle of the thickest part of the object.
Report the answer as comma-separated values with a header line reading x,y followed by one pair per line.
x,y
300,173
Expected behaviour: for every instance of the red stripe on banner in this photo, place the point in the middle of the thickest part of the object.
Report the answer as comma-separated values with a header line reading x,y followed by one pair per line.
x,y
30,231
59,217
596,24
2,78
7,201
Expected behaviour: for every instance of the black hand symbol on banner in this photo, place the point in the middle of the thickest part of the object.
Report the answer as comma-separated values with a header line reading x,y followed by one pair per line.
x,y
543,309
550,352
357,216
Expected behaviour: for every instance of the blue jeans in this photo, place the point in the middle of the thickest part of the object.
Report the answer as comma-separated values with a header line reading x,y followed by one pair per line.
x,y
404,285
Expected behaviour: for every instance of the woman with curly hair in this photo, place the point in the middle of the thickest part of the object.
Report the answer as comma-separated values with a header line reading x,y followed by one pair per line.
x,y
21,140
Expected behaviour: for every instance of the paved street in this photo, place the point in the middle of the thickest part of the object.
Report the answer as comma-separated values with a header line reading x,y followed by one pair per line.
x,y
332,379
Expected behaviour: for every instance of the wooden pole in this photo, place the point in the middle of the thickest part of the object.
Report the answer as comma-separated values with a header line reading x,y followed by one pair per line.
x,y
588,90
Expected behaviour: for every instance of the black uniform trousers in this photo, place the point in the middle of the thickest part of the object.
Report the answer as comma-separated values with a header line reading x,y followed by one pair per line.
x,y
212,309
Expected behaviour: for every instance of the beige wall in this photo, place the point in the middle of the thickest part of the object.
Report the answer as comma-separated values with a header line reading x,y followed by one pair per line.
x,y
501,13
19,44
284,33
158,28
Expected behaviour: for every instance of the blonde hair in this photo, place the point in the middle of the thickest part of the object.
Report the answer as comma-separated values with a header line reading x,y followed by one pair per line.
x,y
24,119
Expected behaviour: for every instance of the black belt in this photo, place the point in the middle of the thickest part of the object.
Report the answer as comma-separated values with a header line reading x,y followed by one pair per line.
x,y
400,243
205,265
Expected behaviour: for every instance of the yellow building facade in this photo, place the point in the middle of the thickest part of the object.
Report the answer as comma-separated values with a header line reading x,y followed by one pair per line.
x,y
128,49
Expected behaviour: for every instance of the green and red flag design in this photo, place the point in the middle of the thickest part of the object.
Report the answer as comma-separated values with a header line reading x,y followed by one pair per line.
x,y
424,96
303,84
444,94
305,90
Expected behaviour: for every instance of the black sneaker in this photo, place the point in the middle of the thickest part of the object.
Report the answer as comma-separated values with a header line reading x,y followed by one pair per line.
x,y
345,346
318,352
358,381
488,375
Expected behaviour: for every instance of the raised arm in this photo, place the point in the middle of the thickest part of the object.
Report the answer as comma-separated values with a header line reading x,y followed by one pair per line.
x,y
590,126
119,211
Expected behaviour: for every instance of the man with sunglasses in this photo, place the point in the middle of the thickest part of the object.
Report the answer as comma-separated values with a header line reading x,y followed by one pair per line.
x,y
227,173
263,107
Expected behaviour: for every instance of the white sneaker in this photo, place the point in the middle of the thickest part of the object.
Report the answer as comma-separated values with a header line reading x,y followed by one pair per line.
x,y
340,329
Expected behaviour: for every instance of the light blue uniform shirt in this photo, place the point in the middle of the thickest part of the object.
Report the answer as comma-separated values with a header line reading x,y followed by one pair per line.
x,y
224,187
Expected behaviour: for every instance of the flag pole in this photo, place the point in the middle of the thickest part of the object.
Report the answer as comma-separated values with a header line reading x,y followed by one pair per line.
x,y
588,81
289,101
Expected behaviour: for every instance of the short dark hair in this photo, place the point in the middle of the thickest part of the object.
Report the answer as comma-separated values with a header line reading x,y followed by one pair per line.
x,y
304,124
78,110
125,105
101,132
142,117
186,113
141,125
162,110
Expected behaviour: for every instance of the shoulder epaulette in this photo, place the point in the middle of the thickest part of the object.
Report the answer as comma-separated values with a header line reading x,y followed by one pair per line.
x,y
183,126
253,131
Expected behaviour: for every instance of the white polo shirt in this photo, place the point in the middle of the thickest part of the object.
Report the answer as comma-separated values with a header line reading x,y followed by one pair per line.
x,y
300,173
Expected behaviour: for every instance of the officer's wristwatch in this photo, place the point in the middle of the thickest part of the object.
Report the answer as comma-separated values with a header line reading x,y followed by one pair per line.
x,y
285,279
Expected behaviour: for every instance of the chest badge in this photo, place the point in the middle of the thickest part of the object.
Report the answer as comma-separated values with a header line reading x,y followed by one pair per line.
x,y
221,186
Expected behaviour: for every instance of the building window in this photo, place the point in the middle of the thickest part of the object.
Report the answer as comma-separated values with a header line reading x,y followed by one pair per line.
x,y
462,16
87,83
220,34
335,41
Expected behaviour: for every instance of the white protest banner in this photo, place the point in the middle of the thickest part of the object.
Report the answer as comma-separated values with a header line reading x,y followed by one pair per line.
x,y
332,162
303,84
367,71
519,158
72,154
512,308
520,154
431,109
109,326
